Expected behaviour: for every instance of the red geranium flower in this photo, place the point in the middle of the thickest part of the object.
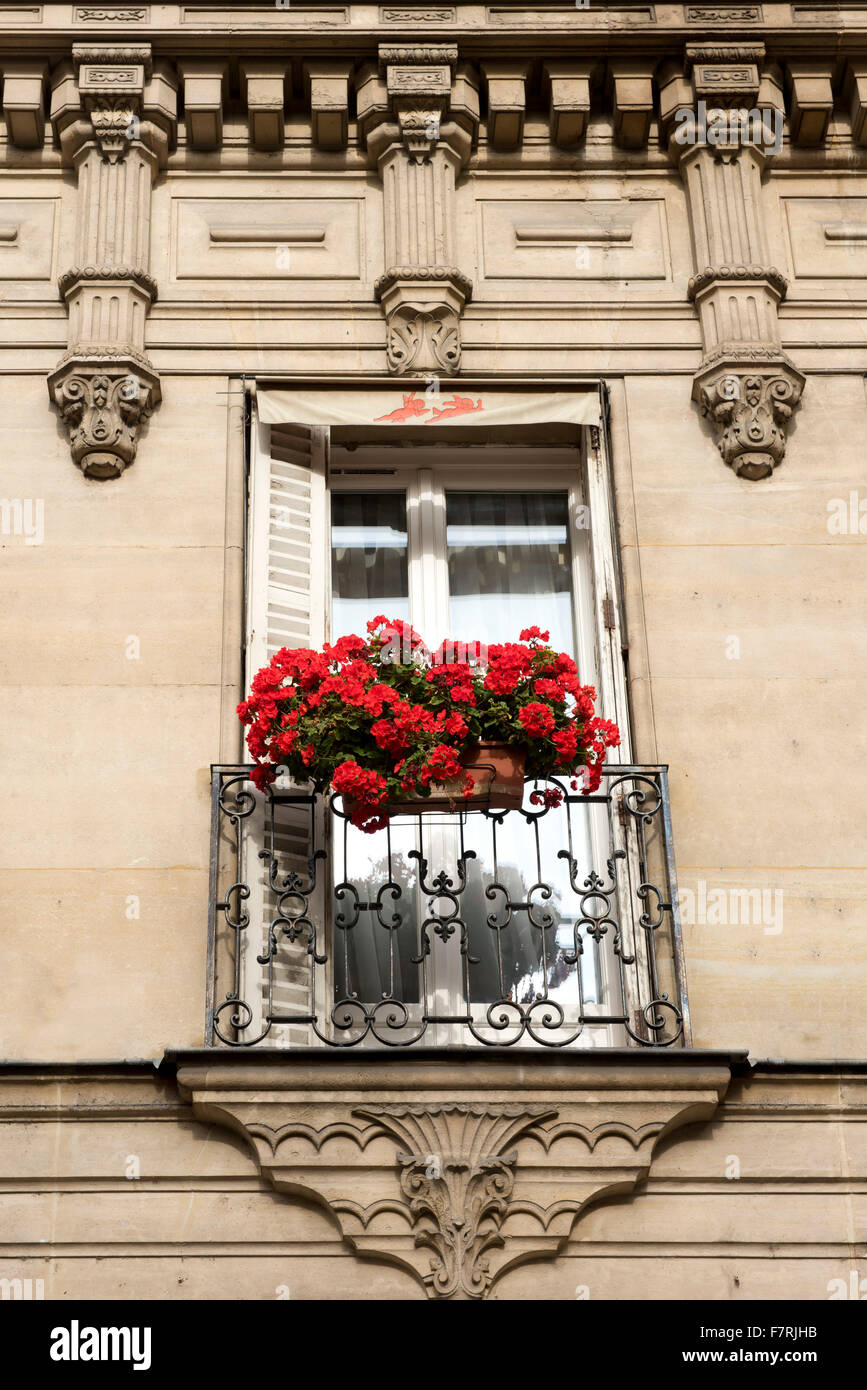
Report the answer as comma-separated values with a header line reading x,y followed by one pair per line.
x,y
537,720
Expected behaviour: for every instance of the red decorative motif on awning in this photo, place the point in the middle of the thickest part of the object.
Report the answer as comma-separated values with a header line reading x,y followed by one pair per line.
x,y
413,409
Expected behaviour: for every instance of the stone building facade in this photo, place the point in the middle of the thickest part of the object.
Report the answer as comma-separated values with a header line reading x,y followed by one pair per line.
x,y
262,269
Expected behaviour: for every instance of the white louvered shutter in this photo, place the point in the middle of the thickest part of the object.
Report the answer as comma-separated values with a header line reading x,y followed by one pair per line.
x,y
288,581
287,574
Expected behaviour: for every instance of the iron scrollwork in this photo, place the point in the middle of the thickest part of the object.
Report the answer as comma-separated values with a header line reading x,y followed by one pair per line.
x,y
496,927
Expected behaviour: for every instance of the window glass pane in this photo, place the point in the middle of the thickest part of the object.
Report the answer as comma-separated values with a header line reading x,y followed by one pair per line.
x,y
510,566
368,559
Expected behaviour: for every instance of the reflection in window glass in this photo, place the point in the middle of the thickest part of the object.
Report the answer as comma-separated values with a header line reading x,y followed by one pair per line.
x,y
368,559
375,914
510,566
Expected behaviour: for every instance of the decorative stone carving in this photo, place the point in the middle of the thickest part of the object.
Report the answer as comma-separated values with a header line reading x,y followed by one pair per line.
x,y
114,115
418,127
750,408
457,1176
723,14
745,384
439,14
111,14
423,316
486,1166
102,408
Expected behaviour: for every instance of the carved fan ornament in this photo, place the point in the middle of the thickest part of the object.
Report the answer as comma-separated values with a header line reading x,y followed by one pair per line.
x,y
457,1175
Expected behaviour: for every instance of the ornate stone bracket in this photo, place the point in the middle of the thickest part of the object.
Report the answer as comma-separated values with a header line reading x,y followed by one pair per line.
x,y
486,1165
418,115
423,306
102,400
114,115
745,383
749,395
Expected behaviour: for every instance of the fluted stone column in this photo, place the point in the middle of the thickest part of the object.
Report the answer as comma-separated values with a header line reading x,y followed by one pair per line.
x,y
745,384
114,115
418,125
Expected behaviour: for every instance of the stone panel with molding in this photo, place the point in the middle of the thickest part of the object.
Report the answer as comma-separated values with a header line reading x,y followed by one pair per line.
x,y
554,246
28,246
826,241
302,244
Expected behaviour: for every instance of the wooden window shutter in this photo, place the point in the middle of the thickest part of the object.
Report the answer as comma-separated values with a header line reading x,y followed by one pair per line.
x,y
287,603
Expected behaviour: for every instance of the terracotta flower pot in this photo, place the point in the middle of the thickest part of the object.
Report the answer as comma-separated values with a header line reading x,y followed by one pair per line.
x,y
497,770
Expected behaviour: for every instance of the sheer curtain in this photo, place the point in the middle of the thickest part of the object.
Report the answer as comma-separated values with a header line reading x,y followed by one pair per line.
x,y
510,567
368,559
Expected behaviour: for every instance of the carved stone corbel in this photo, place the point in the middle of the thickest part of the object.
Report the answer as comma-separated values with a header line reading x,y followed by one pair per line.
x,y
418,115
114,115
750,407
454,1167
745,385
423,306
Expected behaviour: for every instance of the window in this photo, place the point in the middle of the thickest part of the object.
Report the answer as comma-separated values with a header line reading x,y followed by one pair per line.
x,y
469,542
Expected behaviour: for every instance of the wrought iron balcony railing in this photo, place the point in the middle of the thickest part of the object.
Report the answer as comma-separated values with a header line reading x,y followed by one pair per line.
x,y
551,926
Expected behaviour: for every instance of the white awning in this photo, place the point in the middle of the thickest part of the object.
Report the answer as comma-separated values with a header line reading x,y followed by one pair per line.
x,y
406,405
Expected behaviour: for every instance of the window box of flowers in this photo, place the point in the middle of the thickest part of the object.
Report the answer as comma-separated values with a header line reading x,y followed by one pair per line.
x,y
395,729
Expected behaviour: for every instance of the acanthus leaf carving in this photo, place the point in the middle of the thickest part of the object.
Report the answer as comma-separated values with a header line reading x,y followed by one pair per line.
x,y
112,119
102,407
423,338
457,1176
105,386
750,408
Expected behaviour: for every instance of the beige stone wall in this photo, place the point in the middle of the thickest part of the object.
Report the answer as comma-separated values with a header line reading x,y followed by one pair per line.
x,y
764,747
110,751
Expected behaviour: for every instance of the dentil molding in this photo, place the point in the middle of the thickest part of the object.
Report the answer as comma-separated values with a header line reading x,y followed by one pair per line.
x,y
455,1165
